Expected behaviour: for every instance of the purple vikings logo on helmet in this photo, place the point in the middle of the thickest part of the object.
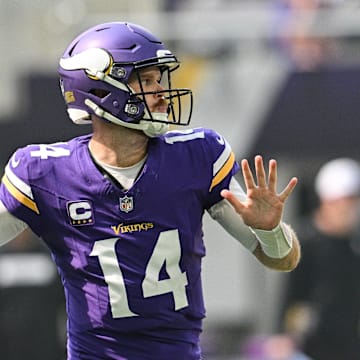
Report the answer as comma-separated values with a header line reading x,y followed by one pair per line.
x,y
126,203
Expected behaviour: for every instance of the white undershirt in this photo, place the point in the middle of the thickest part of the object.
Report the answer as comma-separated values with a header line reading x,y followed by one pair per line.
x,y
124,175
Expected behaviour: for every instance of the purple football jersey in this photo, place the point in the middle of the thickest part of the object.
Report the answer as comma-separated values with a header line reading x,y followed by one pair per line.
x,y
130,261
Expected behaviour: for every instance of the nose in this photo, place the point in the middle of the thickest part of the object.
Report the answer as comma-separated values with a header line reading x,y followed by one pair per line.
x,y
159,87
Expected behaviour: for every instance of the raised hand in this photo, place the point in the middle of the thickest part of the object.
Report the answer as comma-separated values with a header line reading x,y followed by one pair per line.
x,y
263,207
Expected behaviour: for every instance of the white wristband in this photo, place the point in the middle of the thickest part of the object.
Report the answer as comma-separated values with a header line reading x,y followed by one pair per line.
x,y
276,243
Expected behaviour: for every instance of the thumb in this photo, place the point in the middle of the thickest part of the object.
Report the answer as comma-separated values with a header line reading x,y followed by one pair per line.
x,y
225,193
233,200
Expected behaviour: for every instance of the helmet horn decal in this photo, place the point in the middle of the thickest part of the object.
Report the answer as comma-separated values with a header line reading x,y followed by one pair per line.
x,y
92,60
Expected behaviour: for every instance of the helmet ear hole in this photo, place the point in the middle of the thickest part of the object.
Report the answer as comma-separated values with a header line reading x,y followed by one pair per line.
x,y
100,93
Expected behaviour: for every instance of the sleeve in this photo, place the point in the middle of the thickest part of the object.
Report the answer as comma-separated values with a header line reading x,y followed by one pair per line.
x,y
224,213
10,226
223,165
16,192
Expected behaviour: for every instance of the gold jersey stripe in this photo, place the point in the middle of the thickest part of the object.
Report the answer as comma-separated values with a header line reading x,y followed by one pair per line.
x,y
226,168
18,195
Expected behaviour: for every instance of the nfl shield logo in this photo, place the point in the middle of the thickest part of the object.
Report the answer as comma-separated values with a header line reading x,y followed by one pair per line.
x,y
126,203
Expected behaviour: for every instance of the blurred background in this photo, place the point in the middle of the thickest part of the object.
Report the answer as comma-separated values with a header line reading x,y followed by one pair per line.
x,y
279,78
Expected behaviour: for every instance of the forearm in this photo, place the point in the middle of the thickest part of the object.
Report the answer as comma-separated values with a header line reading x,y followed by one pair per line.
x,y
284,263
229,219
277,249
10,226
285,248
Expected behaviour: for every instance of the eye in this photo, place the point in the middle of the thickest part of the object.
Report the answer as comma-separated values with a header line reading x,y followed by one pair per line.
x,y
150,81
147,81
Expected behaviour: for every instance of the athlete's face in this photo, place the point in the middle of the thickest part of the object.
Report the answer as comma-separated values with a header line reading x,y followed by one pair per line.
x,y
150,79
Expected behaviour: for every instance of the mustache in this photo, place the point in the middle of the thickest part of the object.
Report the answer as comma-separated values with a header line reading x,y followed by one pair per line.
x,y
162,102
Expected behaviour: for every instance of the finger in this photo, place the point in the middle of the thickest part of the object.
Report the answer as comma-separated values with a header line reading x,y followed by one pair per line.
x,y
272,181
247,174
260,171
288,190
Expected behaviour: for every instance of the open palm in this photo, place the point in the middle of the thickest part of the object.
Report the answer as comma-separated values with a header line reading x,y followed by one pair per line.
x,y
263,207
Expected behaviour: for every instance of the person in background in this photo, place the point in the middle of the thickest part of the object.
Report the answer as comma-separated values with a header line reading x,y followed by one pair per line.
x,y
297,38
121,208
323,295
271,347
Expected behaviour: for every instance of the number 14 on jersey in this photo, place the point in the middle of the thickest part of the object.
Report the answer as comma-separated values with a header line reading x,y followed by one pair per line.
x,y
167,251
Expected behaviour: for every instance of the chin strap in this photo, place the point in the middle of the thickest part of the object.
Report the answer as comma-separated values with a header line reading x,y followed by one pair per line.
x,y
151,129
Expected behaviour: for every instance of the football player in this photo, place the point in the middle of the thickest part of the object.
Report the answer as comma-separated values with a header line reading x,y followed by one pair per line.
x,y
121,208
